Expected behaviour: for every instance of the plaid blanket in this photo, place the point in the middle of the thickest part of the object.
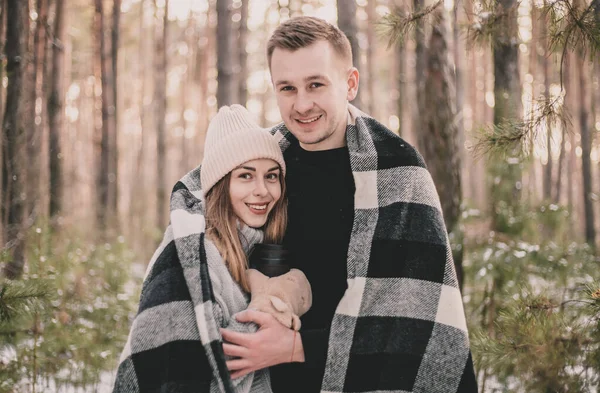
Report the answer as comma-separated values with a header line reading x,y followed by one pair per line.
x,y
188,294
400,326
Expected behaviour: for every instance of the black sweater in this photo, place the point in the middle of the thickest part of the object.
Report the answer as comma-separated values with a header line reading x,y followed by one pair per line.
x,y
320,189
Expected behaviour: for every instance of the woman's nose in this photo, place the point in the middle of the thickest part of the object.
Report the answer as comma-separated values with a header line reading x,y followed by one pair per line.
x,y
260,188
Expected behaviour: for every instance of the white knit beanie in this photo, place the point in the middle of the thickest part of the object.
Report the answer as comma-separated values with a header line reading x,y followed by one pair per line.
x,y
232,139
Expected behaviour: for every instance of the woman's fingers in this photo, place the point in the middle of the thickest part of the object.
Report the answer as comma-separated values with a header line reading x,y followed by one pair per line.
x,y
258,317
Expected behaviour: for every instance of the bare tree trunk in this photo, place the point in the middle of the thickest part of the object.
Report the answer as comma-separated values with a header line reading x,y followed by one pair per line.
x,y
243,55
586,147
187,81
569,87
547,179
55,111
346,16
439,139
30,175
458,74
225,61
2,48
201,78
401,85
103,168
114,137
559,174
138,205
13,135
36,127
420,67
507,108
371,72
160,102
3,223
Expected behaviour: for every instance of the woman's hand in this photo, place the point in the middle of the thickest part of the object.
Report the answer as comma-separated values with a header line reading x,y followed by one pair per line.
x,y
272,344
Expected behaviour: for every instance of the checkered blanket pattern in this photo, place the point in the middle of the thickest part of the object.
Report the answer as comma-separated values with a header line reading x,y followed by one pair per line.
x,y
175,344
400,326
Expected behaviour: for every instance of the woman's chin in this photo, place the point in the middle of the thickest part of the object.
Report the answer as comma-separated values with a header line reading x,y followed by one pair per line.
x,y
254,222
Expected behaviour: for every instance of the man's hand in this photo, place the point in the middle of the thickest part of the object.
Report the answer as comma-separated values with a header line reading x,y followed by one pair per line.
x,y
272,344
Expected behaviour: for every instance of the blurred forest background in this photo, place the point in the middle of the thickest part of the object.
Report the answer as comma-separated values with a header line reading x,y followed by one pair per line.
x,y
105,105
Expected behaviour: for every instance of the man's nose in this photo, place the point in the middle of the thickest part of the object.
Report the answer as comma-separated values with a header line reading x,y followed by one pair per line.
x,y
304,102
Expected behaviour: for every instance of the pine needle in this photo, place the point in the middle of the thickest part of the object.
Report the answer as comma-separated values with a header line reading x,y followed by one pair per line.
x,y
511,137
398,25
18,298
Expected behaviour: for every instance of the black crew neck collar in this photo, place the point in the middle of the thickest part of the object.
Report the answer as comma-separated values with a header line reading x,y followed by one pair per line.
x,y
337,150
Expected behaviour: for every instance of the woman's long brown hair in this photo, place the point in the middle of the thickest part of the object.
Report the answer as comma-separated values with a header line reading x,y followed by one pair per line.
x,y
221,227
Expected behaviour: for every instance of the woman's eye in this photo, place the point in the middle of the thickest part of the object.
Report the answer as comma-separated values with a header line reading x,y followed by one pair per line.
x,y
273,176
245,176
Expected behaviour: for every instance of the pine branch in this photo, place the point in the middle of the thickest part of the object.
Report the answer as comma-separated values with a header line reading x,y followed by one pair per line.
x,y
399,24
573,28
489,22
18,298
512,136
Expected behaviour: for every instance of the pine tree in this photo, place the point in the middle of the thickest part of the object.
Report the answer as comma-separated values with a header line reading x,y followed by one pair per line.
x,y
534,300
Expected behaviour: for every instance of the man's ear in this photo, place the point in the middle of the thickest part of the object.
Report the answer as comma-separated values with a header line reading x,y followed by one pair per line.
x,y
353,79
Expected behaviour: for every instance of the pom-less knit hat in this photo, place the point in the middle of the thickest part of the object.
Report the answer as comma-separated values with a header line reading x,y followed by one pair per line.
x,y
232,139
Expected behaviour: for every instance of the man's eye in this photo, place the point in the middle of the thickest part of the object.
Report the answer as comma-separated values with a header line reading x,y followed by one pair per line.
x,y
287,88
315,85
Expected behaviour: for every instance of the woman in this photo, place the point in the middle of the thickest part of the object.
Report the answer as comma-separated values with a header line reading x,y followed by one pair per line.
x,y
197,280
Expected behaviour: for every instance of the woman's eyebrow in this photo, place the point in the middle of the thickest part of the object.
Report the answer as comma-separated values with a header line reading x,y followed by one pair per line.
x,y
248,168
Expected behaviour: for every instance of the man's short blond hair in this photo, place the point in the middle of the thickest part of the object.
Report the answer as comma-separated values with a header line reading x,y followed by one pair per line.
x,y
303,31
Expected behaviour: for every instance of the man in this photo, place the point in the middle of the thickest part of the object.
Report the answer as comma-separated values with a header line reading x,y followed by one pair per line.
x,y
365,226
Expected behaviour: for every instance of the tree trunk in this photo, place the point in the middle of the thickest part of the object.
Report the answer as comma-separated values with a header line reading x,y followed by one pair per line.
x,y
207,42
569,87
243,55
559,174
547,179
372,105
36,127
586,147
160,102
13,135
55,111
114,112
505,176
346,16
459,55
103,139
439,139
420,66
139,205
2,50
400,55
225,60
187,82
